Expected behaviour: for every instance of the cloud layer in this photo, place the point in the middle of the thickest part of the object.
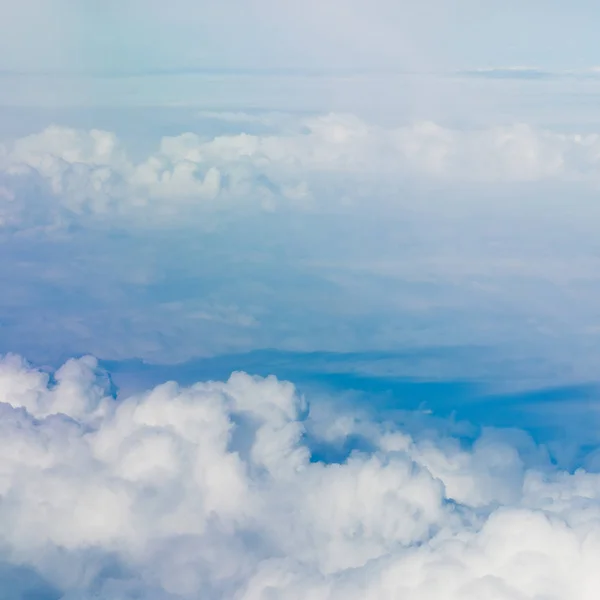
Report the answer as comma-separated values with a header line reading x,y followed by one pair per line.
x,y
91,172
218,491
300,233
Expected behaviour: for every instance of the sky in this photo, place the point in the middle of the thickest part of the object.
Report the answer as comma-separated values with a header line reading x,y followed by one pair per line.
x,y
299,300
148,35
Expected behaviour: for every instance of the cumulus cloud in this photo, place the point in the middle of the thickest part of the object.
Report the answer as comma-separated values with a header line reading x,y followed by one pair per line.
x,y
91,172
215,491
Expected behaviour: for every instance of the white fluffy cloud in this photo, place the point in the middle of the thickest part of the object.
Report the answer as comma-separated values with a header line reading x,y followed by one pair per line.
x,y
91,172
210,491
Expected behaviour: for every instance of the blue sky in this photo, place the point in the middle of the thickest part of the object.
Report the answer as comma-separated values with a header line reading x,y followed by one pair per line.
x,y
299,300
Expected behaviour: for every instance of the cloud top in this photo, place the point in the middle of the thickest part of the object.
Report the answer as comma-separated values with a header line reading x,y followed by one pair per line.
x,y
91,172
214,490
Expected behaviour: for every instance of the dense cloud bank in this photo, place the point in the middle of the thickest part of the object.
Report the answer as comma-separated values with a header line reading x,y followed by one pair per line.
x,y
242,489
92,173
